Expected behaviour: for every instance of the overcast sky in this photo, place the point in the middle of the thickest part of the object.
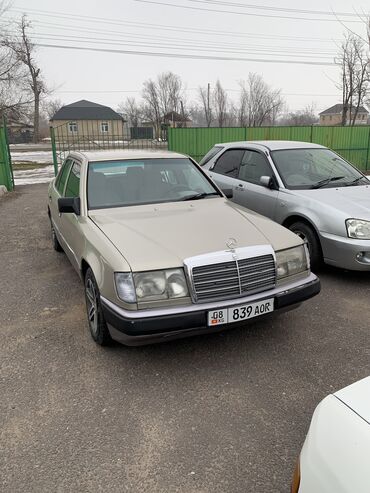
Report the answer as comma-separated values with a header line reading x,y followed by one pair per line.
x,y
198,30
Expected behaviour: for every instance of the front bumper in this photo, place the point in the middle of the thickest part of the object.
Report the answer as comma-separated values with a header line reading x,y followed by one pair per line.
x,y
342,252
135,328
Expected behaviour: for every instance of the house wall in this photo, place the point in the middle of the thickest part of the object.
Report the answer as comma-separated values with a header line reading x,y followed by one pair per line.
x,y
90,128
336,119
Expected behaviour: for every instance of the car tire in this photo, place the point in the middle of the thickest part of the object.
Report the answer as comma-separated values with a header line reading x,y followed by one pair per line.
x,y
54,240
97,325
307,233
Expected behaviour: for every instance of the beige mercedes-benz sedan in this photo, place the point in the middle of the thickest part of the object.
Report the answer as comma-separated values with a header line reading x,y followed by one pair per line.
x,y
163,253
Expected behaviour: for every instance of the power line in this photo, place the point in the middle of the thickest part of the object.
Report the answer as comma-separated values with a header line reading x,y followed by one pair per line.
x,y
103,41
253,14
275,9
161,27
230,48
117,91
176,40
183,55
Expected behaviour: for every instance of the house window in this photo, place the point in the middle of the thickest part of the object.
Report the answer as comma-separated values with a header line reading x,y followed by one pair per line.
x,y
72,127
104,127
331,118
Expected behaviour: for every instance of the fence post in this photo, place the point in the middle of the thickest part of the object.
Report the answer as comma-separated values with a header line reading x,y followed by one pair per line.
x,y
368,151
53,147
9,155
6,174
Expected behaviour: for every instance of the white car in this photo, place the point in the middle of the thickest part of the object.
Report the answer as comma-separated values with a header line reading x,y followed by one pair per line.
x,y
335,457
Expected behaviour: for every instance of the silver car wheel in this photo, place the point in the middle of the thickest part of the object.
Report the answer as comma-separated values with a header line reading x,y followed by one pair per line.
x,y
92,306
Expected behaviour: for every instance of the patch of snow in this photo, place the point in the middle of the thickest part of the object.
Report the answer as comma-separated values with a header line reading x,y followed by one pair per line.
x,y
32,176
44,157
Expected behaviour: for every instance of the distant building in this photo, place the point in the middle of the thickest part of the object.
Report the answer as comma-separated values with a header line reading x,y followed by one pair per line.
x,y
85,118
19,132
175,120
333,115
171,119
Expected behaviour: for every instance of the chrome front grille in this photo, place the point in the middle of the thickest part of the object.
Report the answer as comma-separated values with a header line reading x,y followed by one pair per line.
x,y
235,277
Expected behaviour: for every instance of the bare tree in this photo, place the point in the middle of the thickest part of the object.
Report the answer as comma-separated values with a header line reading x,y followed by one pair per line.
x,y
14,101
306,116
132,111
204,94
220,101
354,63
170,92
259,104
152,108
23,49
51,106
161,97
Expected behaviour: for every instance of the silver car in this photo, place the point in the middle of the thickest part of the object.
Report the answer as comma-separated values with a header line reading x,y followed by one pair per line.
x,y
306,187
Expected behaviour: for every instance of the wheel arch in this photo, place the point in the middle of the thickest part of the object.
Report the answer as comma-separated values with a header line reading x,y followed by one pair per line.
x,y
294,218
84,266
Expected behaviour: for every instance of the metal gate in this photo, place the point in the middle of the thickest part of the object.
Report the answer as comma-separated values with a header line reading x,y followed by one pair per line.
x,y
93,136
6,170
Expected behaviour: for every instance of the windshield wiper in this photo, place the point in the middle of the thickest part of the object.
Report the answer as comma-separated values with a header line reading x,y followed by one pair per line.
x,y
324,182
198,196
356,180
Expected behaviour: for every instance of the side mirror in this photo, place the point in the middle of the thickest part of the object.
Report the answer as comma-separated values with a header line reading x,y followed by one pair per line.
x,y
69,205
267,181
228,192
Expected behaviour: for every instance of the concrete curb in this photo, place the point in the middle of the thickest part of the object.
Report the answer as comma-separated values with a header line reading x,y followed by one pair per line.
x,y
3,190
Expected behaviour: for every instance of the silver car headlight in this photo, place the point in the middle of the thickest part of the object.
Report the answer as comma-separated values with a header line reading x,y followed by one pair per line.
x,y
151,285
292,261
358,228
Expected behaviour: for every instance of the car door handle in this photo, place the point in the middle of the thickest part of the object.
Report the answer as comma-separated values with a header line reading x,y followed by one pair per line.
x,y
240,186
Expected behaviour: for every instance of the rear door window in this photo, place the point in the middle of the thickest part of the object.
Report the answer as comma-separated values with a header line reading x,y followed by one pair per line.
x,y
210,154
228,164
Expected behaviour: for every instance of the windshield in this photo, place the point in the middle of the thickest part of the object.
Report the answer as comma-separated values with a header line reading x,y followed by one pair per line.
x,y
145,181
315,168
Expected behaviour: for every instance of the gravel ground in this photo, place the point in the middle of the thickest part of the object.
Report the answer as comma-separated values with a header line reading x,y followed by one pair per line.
x,y
212,414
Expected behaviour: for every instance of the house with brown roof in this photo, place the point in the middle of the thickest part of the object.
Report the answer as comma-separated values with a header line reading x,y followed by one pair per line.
x,y
175,120
333,115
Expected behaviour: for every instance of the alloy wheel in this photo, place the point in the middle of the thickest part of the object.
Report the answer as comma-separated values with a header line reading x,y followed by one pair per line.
x,y
92,306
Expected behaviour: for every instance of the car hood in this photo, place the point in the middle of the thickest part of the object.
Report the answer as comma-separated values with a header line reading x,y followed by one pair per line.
x,y
357,397
352,201
161,236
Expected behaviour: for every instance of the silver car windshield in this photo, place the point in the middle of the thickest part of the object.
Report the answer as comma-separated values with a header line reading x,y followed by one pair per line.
x,y
145,181
315,168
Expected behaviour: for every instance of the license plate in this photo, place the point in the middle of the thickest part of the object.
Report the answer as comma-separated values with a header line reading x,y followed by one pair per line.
x,y
240,313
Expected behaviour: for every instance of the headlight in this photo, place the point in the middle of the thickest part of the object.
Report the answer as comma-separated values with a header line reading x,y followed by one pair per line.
x,y
291,261
151,285
359,229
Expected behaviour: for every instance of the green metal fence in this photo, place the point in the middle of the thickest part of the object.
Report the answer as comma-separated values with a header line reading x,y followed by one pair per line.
x,y
87,136
353,143
6,172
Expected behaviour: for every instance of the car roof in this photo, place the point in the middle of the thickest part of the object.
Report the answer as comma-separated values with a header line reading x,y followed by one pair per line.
x,y
273,145
109,155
